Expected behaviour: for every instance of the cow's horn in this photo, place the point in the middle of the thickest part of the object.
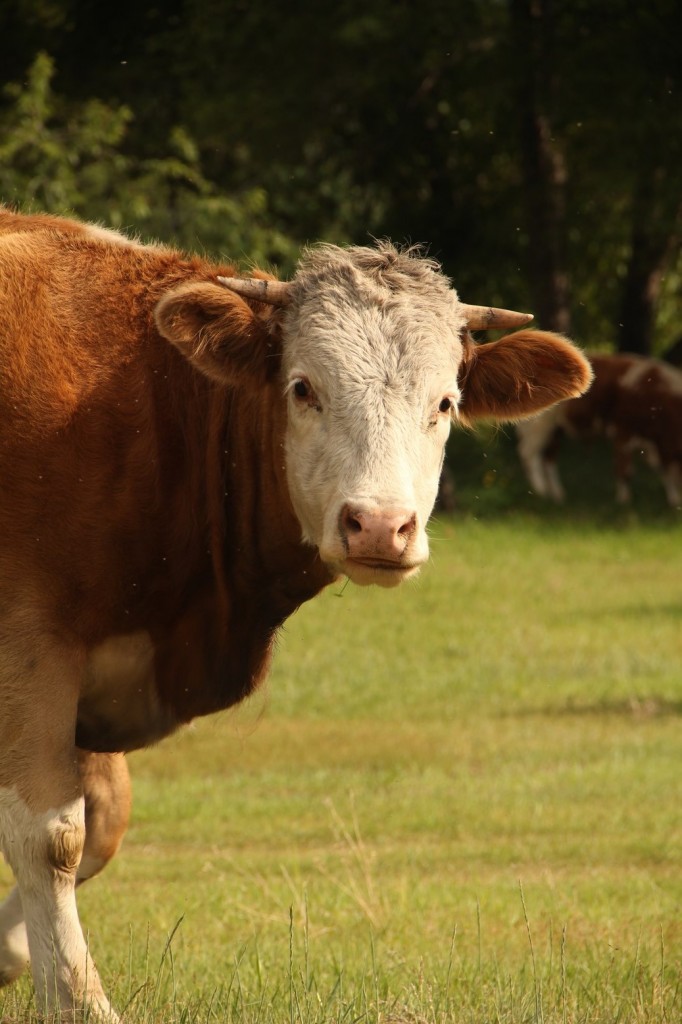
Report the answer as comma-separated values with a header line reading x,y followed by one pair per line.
x,y
274,292
485,318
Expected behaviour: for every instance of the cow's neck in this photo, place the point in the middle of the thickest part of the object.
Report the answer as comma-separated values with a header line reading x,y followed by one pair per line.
x,y
261,547
227,565
260,570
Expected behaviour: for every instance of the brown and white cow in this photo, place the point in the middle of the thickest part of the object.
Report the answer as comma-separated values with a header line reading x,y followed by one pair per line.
x,y
635,402
184,459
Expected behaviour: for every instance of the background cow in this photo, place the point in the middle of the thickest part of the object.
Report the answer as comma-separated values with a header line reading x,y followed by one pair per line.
x,y
185,458
635,402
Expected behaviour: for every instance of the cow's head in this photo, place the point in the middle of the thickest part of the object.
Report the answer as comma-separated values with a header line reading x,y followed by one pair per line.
x,y
375,360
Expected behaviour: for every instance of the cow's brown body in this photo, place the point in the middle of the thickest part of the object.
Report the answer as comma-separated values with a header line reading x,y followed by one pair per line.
x,y
126,466
179,470
635,402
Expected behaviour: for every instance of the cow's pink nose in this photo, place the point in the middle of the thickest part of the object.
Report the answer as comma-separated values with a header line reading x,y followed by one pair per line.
x,y
377,534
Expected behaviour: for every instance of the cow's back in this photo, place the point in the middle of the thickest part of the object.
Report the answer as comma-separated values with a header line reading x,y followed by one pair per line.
x,y
593,412
27,223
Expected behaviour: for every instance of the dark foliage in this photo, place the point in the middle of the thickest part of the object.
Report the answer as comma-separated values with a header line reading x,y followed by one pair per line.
x,y
535,145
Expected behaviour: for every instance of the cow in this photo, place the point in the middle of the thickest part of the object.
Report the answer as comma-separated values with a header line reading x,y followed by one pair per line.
x,y
635,402
186,456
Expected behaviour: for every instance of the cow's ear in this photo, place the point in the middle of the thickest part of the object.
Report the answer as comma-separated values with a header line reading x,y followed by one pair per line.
x,y
219,333
520,375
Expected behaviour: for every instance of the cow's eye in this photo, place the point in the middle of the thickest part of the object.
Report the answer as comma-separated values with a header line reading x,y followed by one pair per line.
x,y
445,404
304,394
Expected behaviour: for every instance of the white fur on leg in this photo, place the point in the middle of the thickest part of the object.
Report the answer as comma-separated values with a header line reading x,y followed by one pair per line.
x,y
555,488
536,472
64,974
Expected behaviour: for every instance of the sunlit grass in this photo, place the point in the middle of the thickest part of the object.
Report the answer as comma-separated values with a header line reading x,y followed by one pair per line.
x,y
455,801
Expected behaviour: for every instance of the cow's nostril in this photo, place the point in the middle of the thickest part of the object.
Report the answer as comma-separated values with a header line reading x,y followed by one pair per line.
x,y
381,534
408,527
350,522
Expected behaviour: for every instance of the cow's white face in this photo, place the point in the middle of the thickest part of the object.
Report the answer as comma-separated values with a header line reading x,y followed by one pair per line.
x,y
371,384
368,346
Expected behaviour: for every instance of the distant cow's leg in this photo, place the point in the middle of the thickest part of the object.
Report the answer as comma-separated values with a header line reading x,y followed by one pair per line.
x,y
42,814
622,458
672,481
106,786
538,446
555,488
533,463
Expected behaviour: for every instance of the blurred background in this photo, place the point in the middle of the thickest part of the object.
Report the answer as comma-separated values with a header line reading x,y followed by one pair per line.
x,y
535,146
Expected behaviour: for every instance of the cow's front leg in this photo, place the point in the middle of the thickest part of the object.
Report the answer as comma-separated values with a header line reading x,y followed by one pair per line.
x,y
106,788
44,849
42,820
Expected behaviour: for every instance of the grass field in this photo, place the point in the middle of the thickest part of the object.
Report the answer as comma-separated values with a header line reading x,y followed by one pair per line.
x,y
457,801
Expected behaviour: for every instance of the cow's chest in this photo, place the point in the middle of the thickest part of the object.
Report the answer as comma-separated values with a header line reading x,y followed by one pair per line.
x,y
139,687
119,706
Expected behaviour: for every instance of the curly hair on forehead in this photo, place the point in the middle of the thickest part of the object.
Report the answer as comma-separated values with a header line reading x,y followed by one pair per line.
x,y
384,263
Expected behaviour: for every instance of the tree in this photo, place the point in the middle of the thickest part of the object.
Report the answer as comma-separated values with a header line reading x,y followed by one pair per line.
x,y
620,114
66,157
534,144
544,163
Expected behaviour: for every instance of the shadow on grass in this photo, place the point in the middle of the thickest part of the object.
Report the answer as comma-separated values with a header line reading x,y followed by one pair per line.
x,y
629,707
632,611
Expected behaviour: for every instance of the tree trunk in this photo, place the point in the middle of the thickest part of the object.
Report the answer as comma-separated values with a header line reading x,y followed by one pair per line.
x,y
543,163
651,240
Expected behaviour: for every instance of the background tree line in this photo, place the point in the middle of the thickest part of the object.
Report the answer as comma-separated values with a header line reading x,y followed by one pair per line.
x,y
534,145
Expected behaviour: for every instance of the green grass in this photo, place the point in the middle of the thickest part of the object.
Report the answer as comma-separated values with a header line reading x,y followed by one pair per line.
x,y
457,801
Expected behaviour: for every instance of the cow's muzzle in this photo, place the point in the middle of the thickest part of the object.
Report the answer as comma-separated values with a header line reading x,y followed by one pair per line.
x,y
378,544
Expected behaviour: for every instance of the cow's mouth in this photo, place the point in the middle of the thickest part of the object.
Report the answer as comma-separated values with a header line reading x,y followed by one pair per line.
x,y
379,571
